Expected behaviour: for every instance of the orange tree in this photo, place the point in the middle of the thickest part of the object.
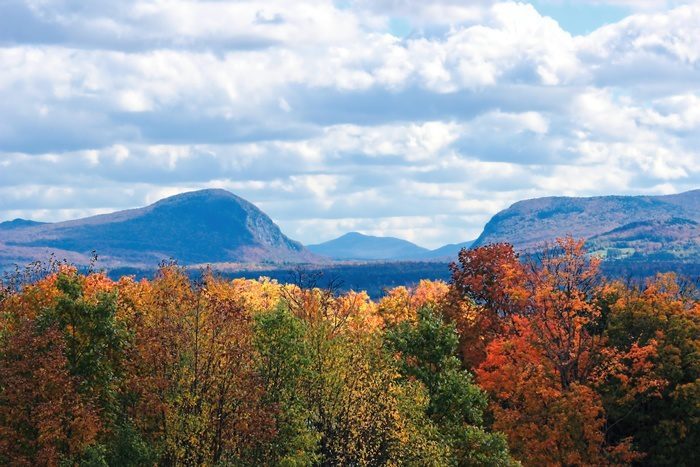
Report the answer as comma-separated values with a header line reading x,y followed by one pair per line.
x,y
488,288
545,352
195,392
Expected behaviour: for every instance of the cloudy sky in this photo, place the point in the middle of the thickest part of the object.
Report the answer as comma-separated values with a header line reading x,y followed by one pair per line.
x,y
413,118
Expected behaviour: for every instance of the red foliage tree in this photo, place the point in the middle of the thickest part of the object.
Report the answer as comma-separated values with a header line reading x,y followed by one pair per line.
x,y
44,420
487,289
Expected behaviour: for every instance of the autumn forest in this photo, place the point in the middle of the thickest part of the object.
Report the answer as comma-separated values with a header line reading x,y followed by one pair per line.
x,y
514,361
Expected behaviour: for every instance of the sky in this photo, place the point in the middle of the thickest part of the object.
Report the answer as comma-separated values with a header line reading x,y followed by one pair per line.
x,y
416,119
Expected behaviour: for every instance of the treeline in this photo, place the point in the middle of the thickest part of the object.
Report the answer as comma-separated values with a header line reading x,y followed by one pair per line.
x,y
371,277
539,362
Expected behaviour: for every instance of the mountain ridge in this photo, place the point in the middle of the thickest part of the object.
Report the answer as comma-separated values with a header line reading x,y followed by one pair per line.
x,y
194,227
216,226
528,224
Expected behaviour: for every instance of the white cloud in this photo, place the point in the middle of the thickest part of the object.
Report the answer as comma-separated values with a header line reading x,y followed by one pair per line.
x,y
513,122
671,35
332,120
679,112
189,23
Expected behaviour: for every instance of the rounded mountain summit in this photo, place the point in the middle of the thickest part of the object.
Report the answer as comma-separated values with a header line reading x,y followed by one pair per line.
x,y
205,226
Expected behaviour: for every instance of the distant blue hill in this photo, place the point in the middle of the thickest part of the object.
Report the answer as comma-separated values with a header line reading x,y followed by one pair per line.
x,y
447,252
360,247
18,224
198,227
357,246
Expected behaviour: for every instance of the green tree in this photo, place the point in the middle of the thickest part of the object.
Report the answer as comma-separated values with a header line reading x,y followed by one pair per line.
x,y
355,401
283,362
95,346
427,350
94,339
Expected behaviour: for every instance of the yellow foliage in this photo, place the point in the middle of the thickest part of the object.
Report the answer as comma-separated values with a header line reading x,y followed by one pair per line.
x,y
402,303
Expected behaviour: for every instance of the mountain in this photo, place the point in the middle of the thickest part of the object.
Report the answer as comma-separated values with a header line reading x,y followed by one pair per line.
x,y
664,239
18,224
614,226
447,252
359,247
356,246
204,226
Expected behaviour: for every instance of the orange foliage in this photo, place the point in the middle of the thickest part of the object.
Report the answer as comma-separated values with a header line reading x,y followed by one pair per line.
x,y
256,295
489,286
43,419
543,369
362,312
546,423
563,315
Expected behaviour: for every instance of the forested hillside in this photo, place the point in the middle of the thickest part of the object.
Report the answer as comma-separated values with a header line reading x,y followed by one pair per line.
x,y
647,228
509,362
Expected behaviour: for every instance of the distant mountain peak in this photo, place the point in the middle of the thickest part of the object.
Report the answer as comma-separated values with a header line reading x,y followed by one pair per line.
x,y
203,226
358,246
355,235
199,195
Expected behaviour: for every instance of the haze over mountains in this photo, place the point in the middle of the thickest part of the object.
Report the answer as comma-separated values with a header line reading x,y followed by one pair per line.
x,y
215,226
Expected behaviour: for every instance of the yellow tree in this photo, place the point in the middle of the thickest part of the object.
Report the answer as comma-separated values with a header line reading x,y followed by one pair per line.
x,y
197,393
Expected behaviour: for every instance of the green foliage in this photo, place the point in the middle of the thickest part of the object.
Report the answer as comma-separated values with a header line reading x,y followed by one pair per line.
x,y
340,400
128,448
94,455
95,344
94,339
456,404
283,361
349,396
